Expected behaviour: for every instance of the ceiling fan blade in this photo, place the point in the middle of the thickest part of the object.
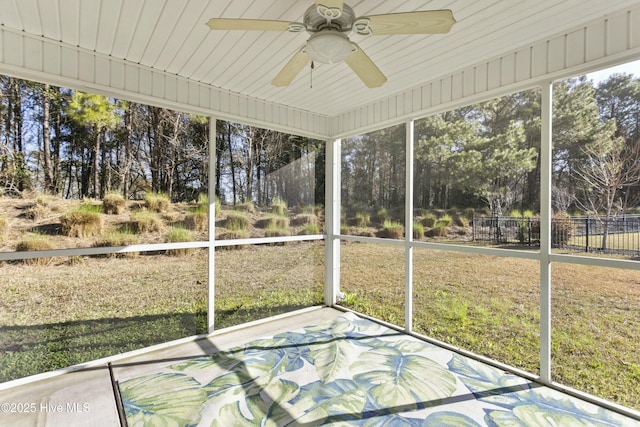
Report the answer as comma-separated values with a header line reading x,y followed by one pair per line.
x,y
289,72
364,67
331,4
247,24
425,22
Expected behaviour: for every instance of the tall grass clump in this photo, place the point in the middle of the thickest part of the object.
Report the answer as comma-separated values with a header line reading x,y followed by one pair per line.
x,y
197,218
245,207
84,221
144,221
4,227
309,229
113,204
37,212
157,202
362,219
382,215
175,235
461,221
418,230
304,218
429,220
273,220
391,230
118,238
437,232
237,221
276,231
443,222
279,207
34,242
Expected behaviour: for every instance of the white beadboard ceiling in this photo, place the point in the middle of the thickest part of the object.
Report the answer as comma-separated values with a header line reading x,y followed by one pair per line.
x,y
171,36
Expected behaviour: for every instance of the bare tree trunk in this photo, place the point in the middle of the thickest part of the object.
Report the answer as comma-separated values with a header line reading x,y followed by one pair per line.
x,y
126,173
96,163
46,140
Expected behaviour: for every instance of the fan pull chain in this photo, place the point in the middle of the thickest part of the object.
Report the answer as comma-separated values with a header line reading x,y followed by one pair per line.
x,y
311,76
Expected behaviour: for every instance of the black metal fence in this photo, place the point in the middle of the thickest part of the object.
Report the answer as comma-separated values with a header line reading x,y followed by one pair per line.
x,y
619,235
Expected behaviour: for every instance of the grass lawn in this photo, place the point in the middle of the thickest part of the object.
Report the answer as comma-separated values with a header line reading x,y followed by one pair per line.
x,y
624,241
81,309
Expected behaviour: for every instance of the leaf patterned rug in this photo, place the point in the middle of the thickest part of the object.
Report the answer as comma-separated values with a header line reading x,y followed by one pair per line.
x,y
349,371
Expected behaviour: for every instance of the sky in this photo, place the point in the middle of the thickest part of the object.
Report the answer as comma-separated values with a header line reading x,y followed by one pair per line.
x,y
629,68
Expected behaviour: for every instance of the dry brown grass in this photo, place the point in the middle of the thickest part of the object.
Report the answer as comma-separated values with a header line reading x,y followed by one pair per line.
x,y
303,219
113,204
198,221
81,223
273,221
4,228
157,202
34,242
145,221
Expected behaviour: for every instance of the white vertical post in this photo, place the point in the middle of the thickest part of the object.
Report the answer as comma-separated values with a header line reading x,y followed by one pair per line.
x,y
545,232
211,270
332,221
408,226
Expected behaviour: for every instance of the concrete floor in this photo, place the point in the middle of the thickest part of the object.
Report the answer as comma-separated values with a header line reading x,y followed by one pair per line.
x,y
84,396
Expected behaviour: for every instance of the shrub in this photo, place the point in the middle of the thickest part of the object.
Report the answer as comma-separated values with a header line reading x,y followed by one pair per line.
x,y
273,221
561,230
443,222
237,221
145,221
175,235
81,222
309,229
279,207
34,242
157,202
275,231
429,220
418,230
118,238
113,204
437,232
391,230
4,227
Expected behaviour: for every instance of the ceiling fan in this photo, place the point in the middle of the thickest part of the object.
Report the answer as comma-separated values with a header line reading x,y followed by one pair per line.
x,y
329,23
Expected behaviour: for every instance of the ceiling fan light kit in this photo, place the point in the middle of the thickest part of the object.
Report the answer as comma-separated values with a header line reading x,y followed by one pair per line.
x,y
329,47
329,22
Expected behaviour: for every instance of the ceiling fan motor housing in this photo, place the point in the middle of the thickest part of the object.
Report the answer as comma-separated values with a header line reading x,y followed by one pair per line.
x,y
318,18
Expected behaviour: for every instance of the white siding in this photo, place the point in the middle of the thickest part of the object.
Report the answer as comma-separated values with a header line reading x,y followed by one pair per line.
x,y
610,40
45,60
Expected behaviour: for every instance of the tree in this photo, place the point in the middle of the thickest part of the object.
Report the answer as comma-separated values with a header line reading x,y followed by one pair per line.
x,y
49,186
98,112
610,169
